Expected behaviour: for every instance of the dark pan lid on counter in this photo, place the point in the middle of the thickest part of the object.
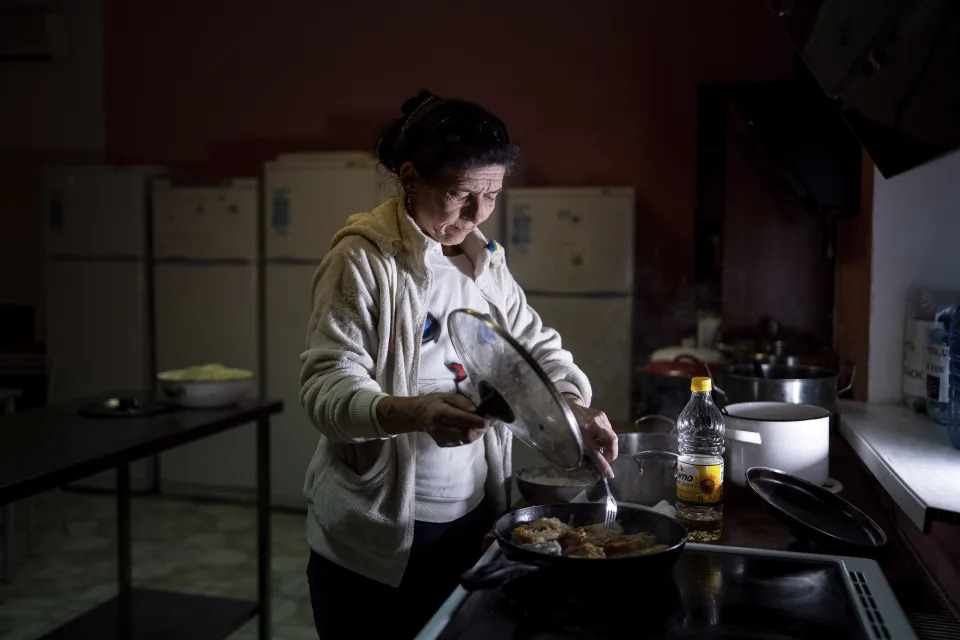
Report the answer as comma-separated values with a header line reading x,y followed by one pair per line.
x,y
815,514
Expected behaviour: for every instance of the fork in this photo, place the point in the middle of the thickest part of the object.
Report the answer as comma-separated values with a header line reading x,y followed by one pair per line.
x,y
610,515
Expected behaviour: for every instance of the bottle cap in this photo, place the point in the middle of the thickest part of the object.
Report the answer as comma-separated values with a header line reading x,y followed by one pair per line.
x,y
701,384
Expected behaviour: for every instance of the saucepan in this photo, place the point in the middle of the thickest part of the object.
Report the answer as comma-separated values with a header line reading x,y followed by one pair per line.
x,y
646,466
666,531
644,472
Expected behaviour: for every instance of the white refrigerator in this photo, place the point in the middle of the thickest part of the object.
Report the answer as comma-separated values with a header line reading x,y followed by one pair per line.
x,y
98,288
571,250
207,301
308,197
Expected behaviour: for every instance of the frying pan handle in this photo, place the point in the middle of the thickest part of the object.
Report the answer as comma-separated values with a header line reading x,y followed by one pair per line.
x,y
493,575
853,375
696,360
716,387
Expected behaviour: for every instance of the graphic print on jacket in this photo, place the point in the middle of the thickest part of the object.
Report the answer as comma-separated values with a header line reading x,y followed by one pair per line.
x,y
453,288
449,479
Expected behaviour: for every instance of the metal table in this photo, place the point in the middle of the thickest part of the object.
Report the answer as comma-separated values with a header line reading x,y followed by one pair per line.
x,y
47,447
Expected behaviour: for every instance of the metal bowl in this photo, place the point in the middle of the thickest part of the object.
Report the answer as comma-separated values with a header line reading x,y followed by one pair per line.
x,y
551,485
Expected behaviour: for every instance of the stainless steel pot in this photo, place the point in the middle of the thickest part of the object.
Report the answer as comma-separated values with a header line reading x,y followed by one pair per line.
x,y
780,383
646,464
652,480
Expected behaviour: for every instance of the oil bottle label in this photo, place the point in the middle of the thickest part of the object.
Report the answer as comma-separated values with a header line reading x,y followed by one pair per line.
x,y
700,483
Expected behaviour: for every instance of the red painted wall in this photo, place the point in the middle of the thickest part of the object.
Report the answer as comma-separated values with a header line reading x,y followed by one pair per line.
x,y
596,93
773,253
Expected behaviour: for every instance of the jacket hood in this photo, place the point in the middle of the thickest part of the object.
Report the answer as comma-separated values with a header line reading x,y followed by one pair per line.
x,y
378,227
393,232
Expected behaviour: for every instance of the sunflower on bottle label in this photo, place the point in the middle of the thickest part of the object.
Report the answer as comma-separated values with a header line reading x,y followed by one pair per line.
x,y
700,483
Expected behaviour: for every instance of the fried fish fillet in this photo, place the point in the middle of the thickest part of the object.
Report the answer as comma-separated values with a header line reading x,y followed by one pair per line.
x,y
536,531
595,534
629,544
549,535
584,550
548,547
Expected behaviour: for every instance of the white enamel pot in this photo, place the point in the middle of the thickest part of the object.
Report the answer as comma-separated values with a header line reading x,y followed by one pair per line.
x,y
793,438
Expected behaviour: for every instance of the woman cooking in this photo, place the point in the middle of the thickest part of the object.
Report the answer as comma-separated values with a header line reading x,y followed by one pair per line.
x,y
407,479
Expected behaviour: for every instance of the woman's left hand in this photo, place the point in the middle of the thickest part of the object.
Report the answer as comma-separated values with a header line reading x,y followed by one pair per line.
x,y
599,439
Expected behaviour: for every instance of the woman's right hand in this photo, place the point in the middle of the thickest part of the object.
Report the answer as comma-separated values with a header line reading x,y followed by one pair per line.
x,y
449,418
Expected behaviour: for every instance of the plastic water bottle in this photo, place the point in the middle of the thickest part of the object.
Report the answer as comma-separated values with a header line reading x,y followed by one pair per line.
x,y
924,306
700,464
916,332
953,426
938,365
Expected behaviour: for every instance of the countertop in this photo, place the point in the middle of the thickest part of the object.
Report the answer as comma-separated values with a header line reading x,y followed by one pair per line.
x,y
911,457
747,523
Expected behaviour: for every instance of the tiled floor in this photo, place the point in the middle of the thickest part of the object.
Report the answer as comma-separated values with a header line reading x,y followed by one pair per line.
x,y
182,545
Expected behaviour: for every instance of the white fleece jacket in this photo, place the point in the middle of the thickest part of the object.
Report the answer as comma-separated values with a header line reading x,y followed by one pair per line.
x,y
370,298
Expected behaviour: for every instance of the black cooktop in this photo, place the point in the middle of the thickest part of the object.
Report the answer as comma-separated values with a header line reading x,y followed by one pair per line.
x,y
706,595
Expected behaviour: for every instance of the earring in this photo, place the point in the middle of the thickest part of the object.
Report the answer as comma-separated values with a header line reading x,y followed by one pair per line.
x,y
409,203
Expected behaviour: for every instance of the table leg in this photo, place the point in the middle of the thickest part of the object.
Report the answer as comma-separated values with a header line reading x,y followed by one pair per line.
x,y
9,530
124,564
6,512
263,525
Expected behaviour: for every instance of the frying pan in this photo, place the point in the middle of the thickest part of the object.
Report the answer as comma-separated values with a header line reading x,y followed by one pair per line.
x,y
634,520
812,513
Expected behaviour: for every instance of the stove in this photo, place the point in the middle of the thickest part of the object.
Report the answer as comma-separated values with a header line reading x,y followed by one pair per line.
x,y
712,592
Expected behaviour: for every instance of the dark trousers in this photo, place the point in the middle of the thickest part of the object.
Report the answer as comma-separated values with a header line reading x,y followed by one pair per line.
x,y
348,605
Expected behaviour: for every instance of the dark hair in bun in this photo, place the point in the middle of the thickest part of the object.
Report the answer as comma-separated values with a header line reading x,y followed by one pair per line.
x,y
443,137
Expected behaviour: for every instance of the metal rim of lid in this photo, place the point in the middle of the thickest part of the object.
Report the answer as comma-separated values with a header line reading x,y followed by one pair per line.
x,y
523,353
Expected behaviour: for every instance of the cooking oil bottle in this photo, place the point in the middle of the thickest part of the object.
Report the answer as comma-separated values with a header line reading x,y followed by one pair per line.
x,y
700,465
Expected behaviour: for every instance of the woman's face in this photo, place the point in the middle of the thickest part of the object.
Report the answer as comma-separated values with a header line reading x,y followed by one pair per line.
x,y
448,212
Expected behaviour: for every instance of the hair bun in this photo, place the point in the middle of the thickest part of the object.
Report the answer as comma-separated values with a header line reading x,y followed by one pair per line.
x,y
412,104
442,137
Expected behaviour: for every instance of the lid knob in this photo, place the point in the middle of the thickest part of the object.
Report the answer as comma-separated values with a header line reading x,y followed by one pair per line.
x,y
493,404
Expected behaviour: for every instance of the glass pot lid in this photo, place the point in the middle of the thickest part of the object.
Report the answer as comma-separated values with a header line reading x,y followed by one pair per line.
x,y
513,387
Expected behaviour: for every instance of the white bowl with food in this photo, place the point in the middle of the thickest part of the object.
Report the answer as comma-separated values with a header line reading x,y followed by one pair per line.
x,y
205,386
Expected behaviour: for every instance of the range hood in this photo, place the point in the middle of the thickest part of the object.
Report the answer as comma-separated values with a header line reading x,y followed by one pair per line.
x,y
891,67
